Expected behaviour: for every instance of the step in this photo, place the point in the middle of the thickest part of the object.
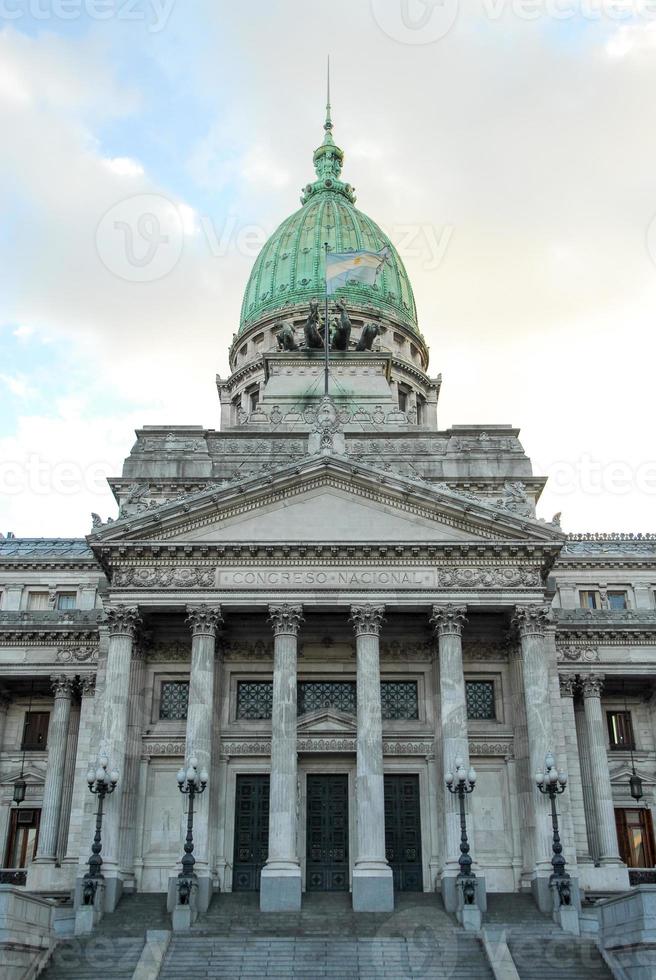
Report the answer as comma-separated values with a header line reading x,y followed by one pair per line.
x,y
566,957
93,956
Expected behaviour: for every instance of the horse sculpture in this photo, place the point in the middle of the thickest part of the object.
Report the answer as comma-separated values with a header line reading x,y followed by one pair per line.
x,y
369,333
341,333
285,336
313,339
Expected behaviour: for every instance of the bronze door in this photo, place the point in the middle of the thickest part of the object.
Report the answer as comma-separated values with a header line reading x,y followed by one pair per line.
x,y
327,833
403,832
251,832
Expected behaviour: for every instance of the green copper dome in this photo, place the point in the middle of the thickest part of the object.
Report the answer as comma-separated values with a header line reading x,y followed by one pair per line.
x,y
290,269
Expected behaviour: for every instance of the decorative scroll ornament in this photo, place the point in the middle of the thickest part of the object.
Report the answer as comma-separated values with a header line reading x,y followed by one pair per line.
x,y
285,619
592,685
88,685
123,620
62,685
204,620
449,620
168,577
80,655
531,620
576,653
367,619
498,577
568,685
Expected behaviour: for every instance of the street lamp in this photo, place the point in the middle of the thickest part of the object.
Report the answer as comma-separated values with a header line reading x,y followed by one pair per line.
x,y
101,783
552,783
192,784
461,785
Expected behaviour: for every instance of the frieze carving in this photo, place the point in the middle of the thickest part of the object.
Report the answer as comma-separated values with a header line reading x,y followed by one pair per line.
x,y
484,650
367,619
258,650
480,577
402,652
504,749
577,653
449,620
79,655
172,444
123,620
164,748
167,651
285,619
168,577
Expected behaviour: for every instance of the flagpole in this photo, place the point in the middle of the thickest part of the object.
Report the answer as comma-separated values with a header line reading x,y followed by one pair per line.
x,y
326,330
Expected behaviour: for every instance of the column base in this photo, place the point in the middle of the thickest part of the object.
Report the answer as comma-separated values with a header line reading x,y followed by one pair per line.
x,y
373,888
280,888
42,875
604,877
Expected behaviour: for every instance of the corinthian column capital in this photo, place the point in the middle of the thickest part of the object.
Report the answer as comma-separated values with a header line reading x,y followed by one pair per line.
x,y
367,619
531,620
449,620
204,620
88,685
123,620
567,685
592,685
62,686
286,619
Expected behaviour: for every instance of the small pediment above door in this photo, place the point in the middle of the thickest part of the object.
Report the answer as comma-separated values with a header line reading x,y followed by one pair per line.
x,y
326,720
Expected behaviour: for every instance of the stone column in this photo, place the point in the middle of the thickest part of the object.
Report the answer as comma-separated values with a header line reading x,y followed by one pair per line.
x,y
122,622
280,885
62,687
5,701
204,622
592,686
448,622
531,624
373,887
568,687
586,781
76,847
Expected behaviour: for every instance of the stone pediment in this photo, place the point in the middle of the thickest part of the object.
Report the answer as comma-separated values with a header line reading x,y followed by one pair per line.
x,y
326,499
326,720
620,777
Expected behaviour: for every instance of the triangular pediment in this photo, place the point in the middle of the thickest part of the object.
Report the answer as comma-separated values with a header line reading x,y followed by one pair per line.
x,y
326,721
327,499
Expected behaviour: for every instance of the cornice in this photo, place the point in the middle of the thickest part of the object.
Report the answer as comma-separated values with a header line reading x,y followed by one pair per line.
x,y
382,487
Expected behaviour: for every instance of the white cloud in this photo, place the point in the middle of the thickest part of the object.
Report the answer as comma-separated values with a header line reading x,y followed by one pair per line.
x,y
17,384
124,166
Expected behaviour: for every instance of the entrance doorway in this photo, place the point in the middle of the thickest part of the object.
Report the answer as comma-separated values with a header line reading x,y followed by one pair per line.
x,y
251,832
403,832
327,865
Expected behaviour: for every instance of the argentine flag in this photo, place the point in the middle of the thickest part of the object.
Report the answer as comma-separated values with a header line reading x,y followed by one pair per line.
x,y
345,267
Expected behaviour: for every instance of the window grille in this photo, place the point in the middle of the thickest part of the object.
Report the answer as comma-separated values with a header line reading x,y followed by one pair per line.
x,y
254,700
174,700
480,700
399,700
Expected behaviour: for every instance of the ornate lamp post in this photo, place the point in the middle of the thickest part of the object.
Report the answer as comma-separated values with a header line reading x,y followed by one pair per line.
x,y
192,784
101,783
461,785
552,783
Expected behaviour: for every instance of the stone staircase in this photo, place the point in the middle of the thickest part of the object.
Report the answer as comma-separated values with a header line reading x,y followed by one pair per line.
x,y
326,939
540,950
114,949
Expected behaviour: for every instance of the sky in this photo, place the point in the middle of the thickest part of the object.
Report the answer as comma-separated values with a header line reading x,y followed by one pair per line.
x,y
508,148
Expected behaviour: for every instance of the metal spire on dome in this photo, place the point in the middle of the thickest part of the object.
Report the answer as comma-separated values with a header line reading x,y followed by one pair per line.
x,y
328,125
